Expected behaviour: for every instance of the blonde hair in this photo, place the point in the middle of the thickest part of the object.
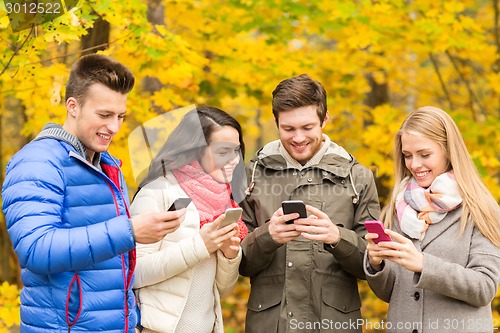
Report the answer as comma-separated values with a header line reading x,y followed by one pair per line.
x,y
478,205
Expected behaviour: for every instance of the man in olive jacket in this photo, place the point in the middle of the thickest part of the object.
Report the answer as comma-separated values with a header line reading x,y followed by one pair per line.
x,y
304,274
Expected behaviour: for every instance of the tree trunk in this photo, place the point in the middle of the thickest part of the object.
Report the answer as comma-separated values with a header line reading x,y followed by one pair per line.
x,y
97,38
378,95
11,124
156,16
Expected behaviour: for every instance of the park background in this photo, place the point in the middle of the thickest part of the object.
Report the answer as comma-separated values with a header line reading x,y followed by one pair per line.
x,y
378,60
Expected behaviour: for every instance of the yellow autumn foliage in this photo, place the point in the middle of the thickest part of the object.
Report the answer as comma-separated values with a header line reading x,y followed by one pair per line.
x,y
232,54
9,306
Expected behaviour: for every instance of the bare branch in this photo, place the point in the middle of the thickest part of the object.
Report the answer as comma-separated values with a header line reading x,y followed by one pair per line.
x,y
17,51
441,81
472,94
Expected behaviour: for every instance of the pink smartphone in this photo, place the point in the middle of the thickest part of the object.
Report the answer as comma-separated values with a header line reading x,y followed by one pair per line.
x,y
376,227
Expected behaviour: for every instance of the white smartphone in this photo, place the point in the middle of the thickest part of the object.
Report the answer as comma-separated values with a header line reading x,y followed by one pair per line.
x,y
232,215
179,203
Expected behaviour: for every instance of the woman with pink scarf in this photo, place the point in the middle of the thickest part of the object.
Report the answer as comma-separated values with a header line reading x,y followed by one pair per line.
x,y
441,270
179,280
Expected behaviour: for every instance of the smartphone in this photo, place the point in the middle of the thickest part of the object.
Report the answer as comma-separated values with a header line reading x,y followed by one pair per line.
x,y
376,227
294,206
179,203
232,215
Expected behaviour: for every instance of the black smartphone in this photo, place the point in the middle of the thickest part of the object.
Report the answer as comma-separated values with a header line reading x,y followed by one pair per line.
x,y
294,206
179,203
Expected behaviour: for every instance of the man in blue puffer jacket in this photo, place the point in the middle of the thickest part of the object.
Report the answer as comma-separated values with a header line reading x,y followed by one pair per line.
x,y
66,206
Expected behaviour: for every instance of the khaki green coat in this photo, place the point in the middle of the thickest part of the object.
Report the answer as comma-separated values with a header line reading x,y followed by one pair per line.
x,y
306,286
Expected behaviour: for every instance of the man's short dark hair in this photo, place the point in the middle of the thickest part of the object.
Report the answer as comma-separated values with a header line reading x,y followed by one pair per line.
x,y
98,68
299,91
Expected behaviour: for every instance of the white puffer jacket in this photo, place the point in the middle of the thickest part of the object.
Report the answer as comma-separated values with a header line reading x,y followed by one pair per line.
x,y
164,269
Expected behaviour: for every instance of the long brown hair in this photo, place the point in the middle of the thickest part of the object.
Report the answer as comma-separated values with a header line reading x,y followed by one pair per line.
x,y
478,205
188,141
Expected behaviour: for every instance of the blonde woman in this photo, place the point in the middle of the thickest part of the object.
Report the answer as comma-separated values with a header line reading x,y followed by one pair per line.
x,y
442,269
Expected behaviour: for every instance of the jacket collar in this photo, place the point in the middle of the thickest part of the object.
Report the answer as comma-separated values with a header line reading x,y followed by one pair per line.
x,y
336,160
105,158
57,132
435,230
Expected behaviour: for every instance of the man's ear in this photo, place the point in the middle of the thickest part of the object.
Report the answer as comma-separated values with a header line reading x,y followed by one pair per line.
x,y
72,106
327,115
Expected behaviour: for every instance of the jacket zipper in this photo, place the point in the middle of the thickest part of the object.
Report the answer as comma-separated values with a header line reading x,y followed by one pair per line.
x,y
127,275
127,278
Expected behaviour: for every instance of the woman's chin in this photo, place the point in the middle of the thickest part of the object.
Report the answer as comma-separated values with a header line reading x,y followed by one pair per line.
x,y
221,177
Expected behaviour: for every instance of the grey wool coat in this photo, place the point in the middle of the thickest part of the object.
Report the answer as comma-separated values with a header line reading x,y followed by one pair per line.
x,y
453,293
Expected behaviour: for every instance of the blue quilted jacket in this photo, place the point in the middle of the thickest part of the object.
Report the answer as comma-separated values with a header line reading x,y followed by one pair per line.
x,y
69,227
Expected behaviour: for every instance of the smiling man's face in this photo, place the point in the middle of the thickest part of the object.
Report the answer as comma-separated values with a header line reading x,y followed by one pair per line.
x,y
301,132
97,120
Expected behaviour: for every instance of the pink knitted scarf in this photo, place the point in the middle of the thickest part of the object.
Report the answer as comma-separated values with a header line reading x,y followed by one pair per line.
x,y
210,197
419,207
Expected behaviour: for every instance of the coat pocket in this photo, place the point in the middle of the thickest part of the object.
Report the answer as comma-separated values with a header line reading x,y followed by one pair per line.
x,y
340,293
73,301
265,296
264,308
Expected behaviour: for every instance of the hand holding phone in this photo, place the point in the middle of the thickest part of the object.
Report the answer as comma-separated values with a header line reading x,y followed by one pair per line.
x,y
179,203
232,215
294,206
376,227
